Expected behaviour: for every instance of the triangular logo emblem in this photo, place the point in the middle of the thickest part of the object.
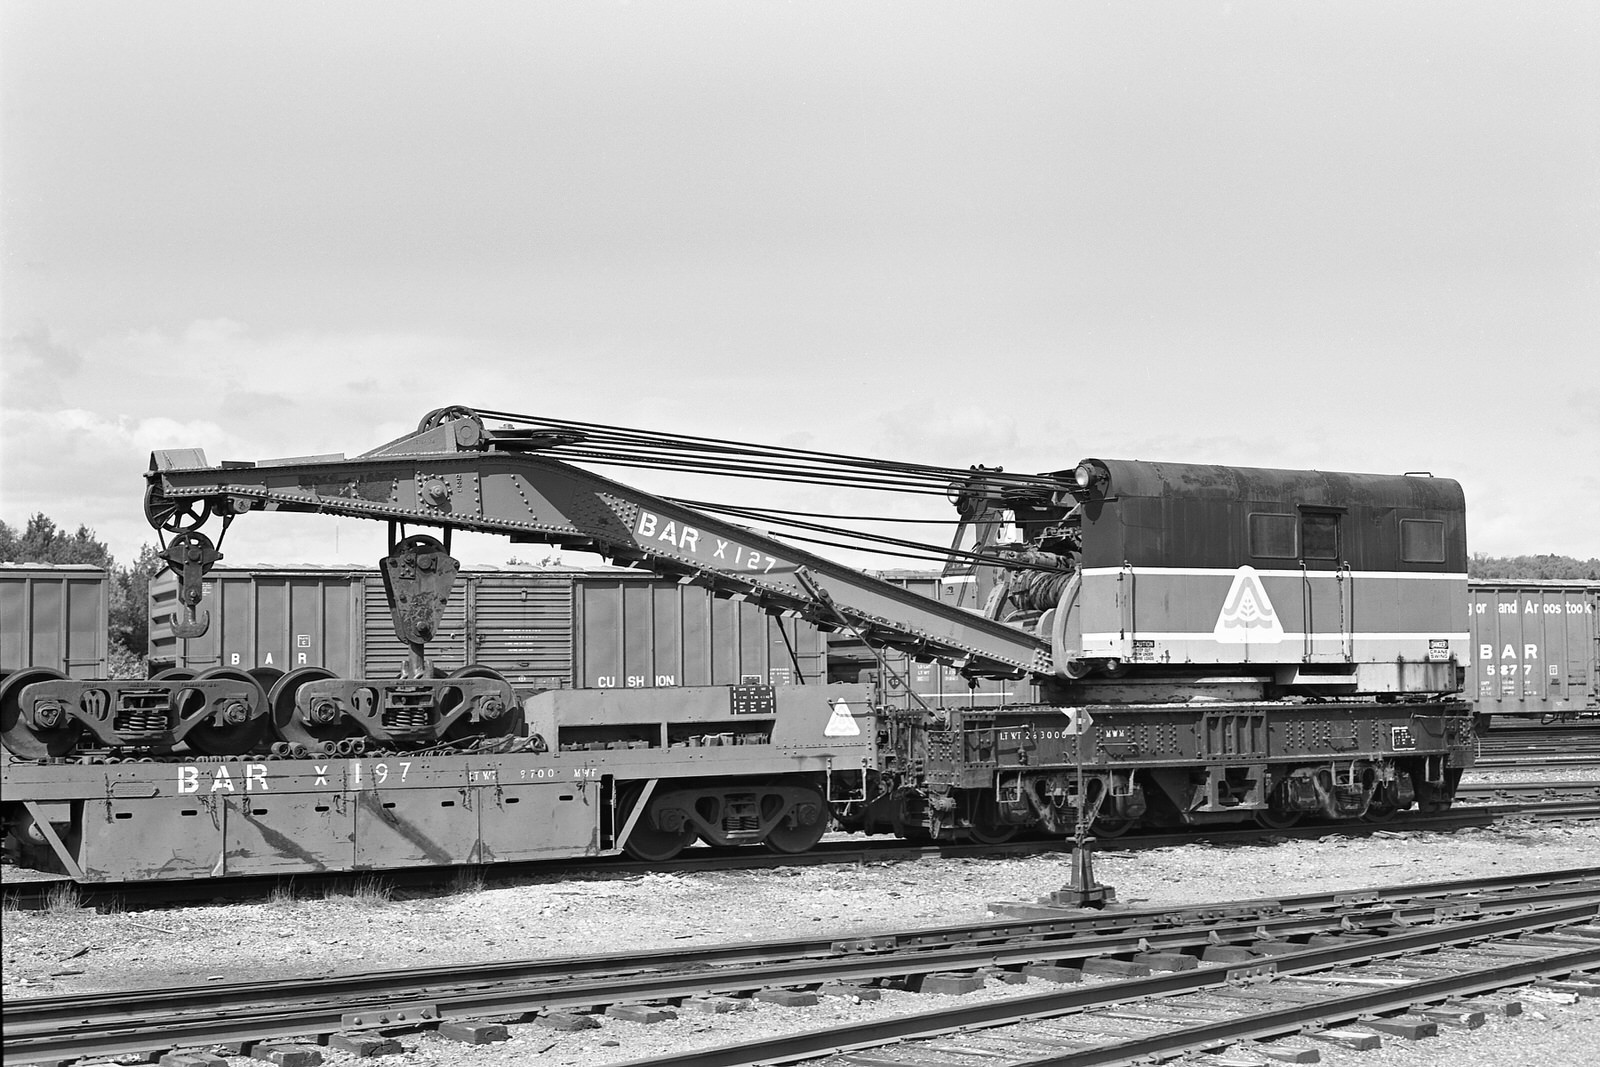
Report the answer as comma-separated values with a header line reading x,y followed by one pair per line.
x,y
1247,615
841,723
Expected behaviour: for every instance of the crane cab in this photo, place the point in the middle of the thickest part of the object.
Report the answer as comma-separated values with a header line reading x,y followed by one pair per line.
x,y
1331,583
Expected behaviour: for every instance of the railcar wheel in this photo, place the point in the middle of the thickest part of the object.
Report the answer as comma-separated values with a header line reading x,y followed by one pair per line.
x,y
1112,825
648,841
27,741
173,674
290,725
1380,811
1273,820
983,820
230,739
464,728
801,827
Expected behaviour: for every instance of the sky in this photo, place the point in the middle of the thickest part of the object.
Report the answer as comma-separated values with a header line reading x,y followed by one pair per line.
x,y
1357,236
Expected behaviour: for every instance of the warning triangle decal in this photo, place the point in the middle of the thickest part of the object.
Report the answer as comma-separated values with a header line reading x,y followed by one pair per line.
x,y
841,723
1247,615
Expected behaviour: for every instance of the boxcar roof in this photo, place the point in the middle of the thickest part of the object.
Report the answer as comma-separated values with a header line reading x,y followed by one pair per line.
x,y
1139,478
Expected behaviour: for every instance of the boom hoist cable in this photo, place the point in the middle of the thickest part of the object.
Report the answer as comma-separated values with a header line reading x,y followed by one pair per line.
x,y
606,445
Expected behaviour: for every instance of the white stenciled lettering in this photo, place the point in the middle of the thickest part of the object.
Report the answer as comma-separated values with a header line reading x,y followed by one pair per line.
x,y
233,659
722,550
223,781
322,773
1530,651
188,779
647,524
255,774
669,533
690,540
268,661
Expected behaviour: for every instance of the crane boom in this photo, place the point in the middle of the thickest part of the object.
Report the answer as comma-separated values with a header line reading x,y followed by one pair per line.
x,y
457,474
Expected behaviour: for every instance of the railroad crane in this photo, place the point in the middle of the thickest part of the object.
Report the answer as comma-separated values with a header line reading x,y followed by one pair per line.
x,y
1195,643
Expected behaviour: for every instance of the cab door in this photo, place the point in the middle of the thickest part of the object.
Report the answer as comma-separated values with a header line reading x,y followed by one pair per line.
x,y
1326,600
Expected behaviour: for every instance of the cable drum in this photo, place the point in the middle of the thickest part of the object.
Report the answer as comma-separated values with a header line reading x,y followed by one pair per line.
x,y
1035,590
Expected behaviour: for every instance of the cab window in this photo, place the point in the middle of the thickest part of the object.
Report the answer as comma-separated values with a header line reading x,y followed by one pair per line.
x,y
1319,535
1272,536
1422,540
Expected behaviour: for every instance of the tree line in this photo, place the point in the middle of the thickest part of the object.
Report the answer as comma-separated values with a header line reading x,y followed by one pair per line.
x,y
1522,568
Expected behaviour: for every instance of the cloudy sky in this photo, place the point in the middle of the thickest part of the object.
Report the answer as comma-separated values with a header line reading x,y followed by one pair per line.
x,y
1355,236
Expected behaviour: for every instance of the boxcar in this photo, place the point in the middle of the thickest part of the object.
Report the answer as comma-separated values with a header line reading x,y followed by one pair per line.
x,y
56,616
1535,651
547,628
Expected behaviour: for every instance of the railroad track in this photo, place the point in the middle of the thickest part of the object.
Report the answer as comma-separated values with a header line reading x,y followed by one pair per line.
x,y
1540,747
1531,791
1224,973
1480,805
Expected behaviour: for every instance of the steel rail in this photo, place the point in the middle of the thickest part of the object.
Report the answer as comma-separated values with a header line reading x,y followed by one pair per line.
x,y
69,1027
798,1047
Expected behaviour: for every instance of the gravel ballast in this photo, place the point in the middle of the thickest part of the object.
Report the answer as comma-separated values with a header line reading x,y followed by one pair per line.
x,y
69,949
